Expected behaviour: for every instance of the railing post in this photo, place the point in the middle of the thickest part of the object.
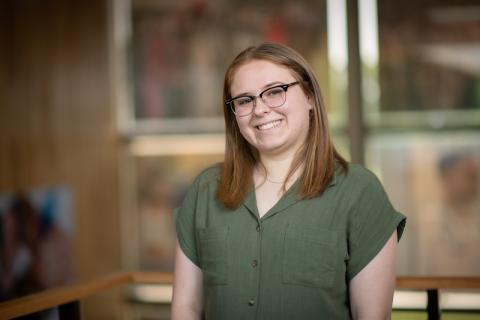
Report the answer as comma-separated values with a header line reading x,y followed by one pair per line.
x,y
70,311
433,306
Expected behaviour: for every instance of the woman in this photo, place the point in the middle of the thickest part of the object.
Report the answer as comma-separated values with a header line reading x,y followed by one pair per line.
x,y
284,228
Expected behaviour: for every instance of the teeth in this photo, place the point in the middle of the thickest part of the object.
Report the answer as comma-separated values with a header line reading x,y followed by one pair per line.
x,y
269,125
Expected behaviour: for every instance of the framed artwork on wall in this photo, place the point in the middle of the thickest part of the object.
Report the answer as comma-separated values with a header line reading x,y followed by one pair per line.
x,y
36,235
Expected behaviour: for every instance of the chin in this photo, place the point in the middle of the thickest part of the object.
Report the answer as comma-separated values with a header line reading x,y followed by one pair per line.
x,y
272,149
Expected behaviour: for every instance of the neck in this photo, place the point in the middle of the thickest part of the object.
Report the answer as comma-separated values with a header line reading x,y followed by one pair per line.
x,y
276,168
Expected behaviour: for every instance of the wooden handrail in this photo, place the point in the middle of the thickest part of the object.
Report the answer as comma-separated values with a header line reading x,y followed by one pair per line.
x,y
425,283
58,296
55,297
152,277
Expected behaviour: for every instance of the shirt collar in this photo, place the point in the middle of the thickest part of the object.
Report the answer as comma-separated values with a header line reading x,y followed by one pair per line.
x,y
290,197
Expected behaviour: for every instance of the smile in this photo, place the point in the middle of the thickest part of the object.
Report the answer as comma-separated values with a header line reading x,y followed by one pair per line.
x,y
269,125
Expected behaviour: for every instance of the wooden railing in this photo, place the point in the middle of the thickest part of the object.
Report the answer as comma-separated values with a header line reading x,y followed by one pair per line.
x,y
67,299
432,284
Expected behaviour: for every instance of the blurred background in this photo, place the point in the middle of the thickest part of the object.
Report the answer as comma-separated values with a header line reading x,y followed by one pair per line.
x,y
109,108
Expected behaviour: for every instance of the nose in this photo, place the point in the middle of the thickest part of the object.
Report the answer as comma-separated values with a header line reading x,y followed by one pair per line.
x,y
259,107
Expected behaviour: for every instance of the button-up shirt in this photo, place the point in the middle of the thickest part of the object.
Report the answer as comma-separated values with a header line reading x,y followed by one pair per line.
x,y
297,260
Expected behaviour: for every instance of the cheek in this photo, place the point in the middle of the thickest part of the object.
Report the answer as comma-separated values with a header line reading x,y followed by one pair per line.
x,y
300,113
243,126
241,123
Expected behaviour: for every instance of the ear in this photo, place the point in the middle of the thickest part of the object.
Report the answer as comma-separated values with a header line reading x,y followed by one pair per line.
x,y
310,103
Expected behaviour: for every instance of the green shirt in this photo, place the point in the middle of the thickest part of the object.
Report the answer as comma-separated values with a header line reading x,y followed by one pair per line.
x,y
297,260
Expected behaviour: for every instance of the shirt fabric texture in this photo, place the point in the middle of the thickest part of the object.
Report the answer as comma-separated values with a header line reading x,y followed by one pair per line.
x,y
297,260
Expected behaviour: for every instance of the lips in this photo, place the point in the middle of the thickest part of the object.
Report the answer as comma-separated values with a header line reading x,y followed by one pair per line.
x,y
269,125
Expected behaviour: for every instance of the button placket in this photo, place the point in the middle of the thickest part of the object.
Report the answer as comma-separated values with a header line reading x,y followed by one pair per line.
x,y
254,264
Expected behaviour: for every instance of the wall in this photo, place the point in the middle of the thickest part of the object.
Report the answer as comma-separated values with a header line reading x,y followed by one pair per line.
x,y
57,121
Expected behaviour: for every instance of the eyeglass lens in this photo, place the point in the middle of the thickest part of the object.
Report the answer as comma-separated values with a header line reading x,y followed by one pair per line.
x,y
273,98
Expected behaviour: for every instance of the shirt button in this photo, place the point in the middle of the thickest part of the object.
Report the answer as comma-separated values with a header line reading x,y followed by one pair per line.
x,y
259,228
254,263
251,302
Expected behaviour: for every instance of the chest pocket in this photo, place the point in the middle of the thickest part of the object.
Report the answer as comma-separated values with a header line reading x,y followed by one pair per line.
x,y
309,257
214,255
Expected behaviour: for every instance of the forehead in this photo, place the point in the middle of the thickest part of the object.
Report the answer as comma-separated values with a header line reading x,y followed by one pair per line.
x,y
255,74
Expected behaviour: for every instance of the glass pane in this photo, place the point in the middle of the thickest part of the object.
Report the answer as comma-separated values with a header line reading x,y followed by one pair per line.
x,y
181,50
420,63
425,80
435,180
429,54
162,181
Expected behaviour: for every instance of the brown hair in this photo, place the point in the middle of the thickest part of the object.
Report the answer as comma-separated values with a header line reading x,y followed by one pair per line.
x,y
318,154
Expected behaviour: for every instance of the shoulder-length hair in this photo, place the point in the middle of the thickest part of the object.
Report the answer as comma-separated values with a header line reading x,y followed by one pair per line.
x,y
317,156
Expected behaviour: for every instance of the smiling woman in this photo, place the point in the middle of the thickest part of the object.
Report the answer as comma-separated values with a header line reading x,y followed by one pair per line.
x,y
287,66
274,132
285,228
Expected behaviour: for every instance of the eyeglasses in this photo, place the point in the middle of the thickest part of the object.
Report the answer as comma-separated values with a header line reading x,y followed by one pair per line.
x,y
272,97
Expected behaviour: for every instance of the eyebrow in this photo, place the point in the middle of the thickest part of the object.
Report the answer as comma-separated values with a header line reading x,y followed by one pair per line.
x,y
268,85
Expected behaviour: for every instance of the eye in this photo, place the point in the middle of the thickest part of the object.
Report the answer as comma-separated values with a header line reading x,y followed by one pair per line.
x,y
274,92
243,101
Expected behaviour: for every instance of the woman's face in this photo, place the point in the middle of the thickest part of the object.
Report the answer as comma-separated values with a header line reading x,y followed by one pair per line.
x,y
276,132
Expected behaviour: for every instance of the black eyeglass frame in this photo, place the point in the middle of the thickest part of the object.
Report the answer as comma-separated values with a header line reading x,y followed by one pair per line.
x,y
260,95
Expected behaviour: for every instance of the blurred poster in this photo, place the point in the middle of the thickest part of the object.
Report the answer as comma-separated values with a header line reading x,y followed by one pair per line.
x,y
449,226
36,232
162,184
434,178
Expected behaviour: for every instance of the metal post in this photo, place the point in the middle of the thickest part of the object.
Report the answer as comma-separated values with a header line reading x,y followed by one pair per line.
x,y
433,306
70,311
355,98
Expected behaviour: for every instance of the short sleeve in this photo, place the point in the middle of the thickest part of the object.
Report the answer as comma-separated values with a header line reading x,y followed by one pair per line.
x,y
185,225
373,220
